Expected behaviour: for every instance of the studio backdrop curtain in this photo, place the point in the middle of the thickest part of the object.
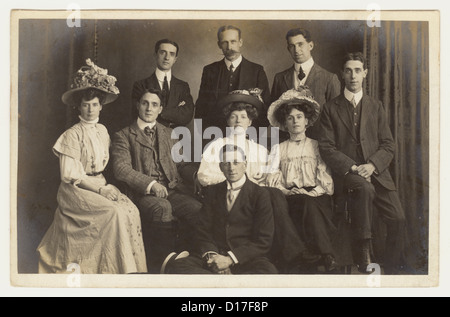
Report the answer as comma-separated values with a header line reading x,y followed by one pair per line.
x,y
397,56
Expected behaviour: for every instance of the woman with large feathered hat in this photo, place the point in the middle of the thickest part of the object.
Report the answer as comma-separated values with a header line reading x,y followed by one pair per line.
x,y
95,226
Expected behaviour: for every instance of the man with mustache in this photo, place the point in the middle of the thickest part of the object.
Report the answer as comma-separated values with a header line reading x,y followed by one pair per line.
x,y
323,84
234,72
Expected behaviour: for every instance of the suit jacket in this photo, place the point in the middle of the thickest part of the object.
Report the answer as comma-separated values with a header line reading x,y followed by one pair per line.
x,y
251,76
247,230
323,85
180,108
131,150
338,142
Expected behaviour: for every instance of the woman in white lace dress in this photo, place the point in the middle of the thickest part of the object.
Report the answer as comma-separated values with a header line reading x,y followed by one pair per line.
x,y
301,174
95,226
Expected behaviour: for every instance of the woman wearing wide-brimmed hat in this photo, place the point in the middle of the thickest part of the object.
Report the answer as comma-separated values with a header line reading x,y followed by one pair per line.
x,y
95,226
241,108
300,173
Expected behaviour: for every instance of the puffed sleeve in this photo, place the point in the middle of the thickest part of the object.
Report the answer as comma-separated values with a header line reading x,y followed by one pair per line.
x,y
324,180
72,171
68,150
209,172
275,176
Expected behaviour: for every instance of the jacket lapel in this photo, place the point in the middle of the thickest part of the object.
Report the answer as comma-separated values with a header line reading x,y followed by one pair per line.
x,y
367,113
343,114
245,80
289,78
240,200
313,73
140,136
217,78
153,82
173,88
221,199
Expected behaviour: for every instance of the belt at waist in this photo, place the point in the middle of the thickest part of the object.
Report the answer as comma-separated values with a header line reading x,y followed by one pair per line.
x,y
94,174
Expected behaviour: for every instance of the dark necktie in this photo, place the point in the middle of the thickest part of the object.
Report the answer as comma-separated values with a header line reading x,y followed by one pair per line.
x,y
166,90
231,69
301,74
149,132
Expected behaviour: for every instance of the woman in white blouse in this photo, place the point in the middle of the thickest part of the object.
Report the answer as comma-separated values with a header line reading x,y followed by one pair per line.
x,y
300,173
95,226
241,109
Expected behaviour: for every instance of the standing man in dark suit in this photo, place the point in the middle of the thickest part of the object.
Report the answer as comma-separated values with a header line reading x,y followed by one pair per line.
x,y
356,143
236,225
142,159
323,84
234,72
178,105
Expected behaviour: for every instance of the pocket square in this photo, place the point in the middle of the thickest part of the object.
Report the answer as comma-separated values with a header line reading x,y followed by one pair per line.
x,y
181,104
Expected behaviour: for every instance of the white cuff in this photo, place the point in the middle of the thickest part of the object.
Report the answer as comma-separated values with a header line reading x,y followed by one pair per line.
x,y
233,257
149,188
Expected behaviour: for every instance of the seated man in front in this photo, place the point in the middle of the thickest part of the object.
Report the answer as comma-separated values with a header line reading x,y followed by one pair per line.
x,y
236,226
142,159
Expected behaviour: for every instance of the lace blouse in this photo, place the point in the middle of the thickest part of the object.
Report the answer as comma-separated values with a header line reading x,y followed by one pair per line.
x,y
298,164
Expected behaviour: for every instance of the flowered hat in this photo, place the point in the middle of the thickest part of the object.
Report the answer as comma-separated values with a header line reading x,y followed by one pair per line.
x,y
251,96
291,97
92,76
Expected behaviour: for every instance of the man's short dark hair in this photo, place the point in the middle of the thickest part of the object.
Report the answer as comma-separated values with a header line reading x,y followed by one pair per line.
x,y
166,41
355,56
226,28
154,92
299,31
231,148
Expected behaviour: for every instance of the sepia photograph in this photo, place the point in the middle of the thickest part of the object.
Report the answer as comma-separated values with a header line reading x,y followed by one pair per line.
x,y
224,149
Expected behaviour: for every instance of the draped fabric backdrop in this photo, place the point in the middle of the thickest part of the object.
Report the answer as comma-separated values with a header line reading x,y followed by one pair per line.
x,y
397,55
50,53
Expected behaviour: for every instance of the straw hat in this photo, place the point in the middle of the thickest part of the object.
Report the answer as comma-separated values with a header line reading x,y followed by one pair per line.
x,y
92,76
291,97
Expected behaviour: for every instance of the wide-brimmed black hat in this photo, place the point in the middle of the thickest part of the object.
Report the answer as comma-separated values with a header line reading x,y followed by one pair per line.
x,y
303,95
92,77
251,96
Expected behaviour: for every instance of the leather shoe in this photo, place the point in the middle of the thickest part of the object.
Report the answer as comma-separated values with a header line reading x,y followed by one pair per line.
x,y
172,257
309,258
330,263
363,257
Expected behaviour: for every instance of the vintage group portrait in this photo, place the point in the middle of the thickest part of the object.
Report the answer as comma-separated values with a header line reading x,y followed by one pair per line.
x,y
224,149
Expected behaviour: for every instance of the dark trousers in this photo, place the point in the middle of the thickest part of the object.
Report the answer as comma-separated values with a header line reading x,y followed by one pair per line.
x,y
364,196
312,217
195,265
287,243
168,225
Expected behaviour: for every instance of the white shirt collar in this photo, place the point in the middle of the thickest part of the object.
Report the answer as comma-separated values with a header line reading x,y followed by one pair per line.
x,y
88,122
349,95
142,124
237,184
160,75
306,66
235,63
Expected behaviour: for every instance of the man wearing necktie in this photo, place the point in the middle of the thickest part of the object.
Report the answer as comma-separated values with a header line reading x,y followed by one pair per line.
x,y
305,72
356,143
236,227
178,105
142,159
234,72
